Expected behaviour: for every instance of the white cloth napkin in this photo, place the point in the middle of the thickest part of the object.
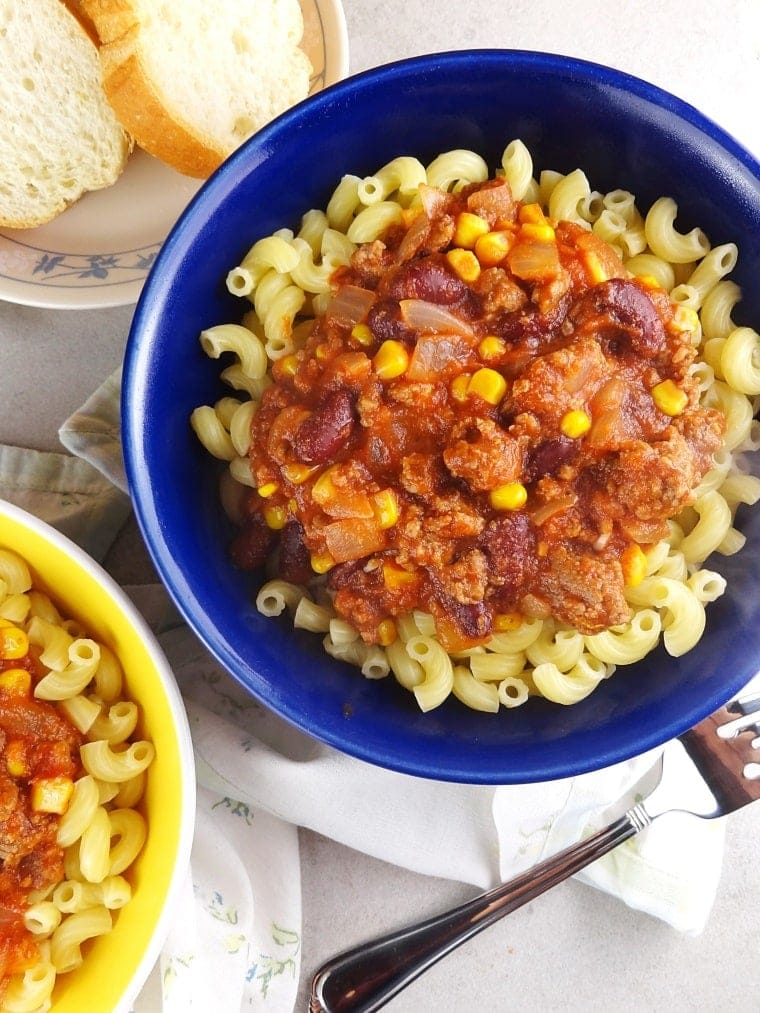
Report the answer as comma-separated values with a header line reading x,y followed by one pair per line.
x,y
236,944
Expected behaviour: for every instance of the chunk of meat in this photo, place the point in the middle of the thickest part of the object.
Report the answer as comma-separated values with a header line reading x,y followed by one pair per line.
x,y
560,381
430,537
483,454
651,481
369,262
498,292
421,474
582,590
494,202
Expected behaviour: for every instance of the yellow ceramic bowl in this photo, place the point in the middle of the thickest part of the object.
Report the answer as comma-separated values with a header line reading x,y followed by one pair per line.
x,y
116,965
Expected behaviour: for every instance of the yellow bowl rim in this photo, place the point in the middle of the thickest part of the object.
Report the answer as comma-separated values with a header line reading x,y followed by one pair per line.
x,y
79,558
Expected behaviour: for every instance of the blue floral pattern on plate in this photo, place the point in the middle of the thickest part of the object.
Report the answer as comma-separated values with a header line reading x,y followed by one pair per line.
x,y
99,252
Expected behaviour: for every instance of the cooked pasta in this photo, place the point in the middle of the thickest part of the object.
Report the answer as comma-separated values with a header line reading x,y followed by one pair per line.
x,y
89,832
289,279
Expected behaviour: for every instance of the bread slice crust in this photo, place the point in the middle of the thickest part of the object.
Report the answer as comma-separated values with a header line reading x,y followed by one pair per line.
x,y
190,110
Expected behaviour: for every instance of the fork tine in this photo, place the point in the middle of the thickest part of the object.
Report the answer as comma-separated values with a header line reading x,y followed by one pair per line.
x,y
739,724
721,751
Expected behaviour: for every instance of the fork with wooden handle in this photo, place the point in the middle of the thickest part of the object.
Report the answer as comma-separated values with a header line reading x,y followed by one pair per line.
x,y
712,770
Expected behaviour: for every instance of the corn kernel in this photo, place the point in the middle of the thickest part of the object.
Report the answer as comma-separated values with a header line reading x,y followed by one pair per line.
x,y
362,335
575,423
511,496
492,248
596,270
669,398
14,643
386,632
468,228
542,549
298,473
532,214
15,758
390,360
52,795
459,386
648,281
491,347
16,681
322,351
537,232
634,564
275,516
506,622
385,505
321,562
685,319
267,489
465,264
287,365
324,491
488,384
395,576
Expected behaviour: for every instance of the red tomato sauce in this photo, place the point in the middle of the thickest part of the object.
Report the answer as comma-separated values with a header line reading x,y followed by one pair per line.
x,y
501,501
34,737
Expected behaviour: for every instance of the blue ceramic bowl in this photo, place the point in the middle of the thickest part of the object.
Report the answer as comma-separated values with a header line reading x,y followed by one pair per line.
x,y
624,133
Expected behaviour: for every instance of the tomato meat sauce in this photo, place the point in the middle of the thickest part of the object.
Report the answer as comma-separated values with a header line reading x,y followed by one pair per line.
x,y
39,760
492,419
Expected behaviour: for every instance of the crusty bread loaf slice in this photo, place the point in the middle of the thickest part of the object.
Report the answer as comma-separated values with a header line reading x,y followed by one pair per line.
x,y
191,80
59,136
77,9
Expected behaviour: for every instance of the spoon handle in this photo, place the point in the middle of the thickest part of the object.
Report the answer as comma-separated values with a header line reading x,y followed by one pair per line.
x,y
367,976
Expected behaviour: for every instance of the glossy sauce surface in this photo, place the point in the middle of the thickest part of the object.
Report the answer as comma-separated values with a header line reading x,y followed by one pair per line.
x,y
507,414
36,743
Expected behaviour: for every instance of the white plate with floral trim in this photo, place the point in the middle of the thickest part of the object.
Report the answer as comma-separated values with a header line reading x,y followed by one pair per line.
x,y
99,251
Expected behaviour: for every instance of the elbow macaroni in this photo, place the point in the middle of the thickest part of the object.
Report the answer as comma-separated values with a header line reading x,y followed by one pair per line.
x,y
101,832
288,280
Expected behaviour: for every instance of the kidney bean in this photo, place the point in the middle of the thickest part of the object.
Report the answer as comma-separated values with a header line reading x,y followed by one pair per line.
x,y
510,545
473,621
343,574
294,561
547,456
328,427
529,329
250,546
430,279
620,313
384,320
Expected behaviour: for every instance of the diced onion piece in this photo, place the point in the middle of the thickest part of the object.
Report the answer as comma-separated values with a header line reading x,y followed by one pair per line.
x,y
433,200
544,511
438,355
429,317
350,304
534,261
353,539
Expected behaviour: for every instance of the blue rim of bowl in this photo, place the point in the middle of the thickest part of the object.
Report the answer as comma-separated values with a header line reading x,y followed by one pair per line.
x,y
222,182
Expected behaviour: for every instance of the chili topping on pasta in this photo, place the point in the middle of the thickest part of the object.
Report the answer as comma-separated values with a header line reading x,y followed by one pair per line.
x,y
484,418
69,780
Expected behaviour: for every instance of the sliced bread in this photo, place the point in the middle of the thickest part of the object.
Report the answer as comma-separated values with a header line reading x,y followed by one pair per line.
x,y
59,136
192,80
